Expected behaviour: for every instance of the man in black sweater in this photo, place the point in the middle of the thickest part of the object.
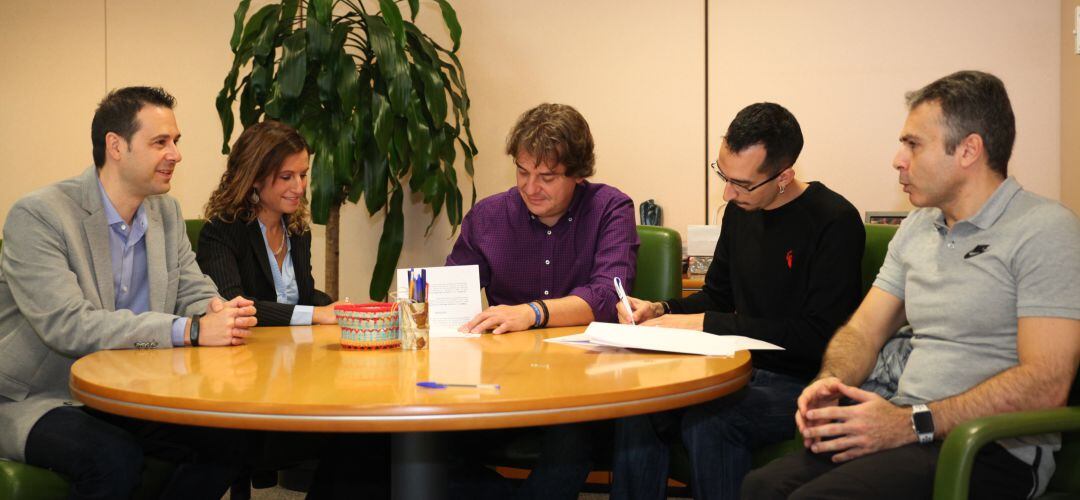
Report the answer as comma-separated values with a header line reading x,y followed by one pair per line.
x,y
787,270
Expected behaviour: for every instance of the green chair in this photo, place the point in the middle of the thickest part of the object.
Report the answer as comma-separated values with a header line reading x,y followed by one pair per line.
x,y
659,264
959,450
21,481
878,237
194,227
18,480
658,277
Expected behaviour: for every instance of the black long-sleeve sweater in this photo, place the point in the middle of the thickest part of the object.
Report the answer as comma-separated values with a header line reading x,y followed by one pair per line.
x,y
790,276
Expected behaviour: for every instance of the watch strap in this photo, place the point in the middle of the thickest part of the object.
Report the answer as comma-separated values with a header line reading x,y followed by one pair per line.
x,y
193,330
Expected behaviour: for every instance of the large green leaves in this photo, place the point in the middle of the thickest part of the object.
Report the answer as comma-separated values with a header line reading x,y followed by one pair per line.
x,y
390,243
383,106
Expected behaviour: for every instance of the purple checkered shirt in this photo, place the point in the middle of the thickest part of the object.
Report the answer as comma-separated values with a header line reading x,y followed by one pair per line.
x,y
522,260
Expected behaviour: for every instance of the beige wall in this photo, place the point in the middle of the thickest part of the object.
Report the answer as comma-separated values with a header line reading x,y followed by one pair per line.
x,y
1070,108
634,69
842,68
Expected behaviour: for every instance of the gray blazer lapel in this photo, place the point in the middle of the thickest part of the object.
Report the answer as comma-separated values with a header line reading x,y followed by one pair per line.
x,y
99,249
96,229
156,266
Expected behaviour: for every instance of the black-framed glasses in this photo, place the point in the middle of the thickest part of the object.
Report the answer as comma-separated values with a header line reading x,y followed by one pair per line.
x,y
739,186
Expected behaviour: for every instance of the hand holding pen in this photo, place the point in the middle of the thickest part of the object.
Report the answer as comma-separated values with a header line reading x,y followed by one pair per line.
x,y
624,301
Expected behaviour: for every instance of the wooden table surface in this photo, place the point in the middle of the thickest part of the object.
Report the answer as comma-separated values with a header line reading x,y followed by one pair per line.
x,y
300,379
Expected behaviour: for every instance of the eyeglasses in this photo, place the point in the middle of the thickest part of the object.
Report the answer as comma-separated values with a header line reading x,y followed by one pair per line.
x,y
737,184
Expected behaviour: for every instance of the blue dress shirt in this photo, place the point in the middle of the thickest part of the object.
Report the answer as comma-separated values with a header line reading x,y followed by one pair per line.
x,y
127,248
285,279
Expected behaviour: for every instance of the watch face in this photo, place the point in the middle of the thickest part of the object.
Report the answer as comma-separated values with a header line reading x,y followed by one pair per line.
x,y
924,422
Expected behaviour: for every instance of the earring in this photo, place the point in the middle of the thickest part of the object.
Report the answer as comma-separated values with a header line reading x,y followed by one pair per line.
x,y
255,197
781,189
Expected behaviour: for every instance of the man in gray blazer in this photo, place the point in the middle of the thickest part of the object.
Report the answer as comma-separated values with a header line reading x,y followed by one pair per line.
x,y
102,261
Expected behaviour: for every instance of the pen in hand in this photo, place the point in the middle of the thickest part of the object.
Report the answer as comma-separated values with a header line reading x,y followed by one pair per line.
x,y
624,299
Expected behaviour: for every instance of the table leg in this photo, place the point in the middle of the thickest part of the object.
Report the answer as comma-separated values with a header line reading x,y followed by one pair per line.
x,y
417,466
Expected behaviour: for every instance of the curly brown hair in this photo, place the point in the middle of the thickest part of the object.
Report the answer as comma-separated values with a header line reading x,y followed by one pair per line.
x,y
555,133
258,154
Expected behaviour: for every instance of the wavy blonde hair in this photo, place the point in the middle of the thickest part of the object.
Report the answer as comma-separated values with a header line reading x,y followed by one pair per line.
x,y
258,154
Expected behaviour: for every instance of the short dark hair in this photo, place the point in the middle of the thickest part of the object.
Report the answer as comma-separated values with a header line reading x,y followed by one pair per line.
x,y
973,102
772,126
117,112
556,133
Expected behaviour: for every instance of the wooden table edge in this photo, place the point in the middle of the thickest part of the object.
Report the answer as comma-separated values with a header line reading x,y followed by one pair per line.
x,y
413,423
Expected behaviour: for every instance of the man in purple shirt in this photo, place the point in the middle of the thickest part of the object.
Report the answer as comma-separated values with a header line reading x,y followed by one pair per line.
x,y
549,248
548,251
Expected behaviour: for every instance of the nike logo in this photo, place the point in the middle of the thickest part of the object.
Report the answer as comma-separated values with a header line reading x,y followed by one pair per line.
x,y
976,251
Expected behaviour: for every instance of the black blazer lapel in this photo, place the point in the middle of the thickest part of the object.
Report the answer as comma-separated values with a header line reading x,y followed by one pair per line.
x,y
258,245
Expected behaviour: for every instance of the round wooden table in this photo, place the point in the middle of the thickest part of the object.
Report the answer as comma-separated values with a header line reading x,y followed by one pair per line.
x,y
300,379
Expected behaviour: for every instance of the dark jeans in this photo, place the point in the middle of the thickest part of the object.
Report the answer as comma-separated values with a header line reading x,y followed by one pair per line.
x,y
102,455
720,436
902,473
566,457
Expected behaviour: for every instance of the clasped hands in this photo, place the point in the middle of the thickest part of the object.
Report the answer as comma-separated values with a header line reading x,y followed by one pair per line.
x,y
870,425
227,323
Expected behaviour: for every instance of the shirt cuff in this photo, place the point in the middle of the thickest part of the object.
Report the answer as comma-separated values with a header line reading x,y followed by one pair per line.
x,y
179,326
301,315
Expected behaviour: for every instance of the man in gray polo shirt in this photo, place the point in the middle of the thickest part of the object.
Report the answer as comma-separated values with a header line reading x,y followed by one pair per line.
x,y
987,276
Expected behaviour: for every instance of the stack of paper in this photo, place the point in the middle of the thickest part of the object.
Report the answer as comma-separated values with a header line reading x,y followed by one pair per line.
x,y
663,339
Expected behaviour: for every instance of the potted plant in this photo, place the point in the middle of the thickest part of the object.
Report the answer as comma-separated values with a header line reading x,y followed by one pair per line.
x,y
381,103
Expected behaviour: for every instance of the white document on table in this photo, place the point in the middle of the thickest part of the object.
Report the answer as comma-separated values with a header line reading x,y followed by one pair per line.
x,y
656,338
453,297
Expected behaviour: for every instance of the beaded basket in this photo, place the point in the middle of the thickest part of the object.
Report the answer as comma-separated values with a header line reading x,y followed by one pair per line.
x,y
368,326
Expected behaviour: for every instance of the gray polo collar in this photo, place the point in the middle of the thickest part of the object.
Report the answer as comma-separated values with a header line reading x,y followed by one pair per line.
x,y
991,210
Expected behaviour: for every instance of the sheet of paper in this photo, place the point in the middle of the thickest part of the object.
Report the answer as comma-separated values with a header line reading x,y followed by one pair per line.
x,y
450,333
453,297
581,341
672,339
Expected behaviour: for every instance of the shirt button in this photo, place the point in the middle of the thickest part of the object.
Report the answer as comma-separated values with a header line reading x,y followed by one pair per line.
x,y
123,227
570,219
547,292
547,262
123,288
549,232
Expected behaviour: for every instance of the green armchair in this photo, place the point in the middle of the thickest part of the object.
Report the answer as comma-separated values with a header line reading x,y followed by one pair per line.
x,y
18,480
659,264
194,227
959,450
878,237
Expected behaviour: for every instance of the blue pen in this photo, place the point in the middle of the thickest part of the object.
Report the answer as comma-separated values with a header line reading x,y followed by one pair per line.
x,y
439,385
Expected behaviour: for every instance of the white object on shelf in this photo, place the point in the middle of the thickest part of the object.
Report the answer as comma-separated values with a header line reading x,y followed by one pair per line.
x,y
702,240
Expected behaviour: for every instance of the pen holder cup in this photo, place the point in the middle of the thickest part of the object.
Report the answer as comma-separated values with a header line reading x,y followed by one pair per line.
x,y
369,326
414,325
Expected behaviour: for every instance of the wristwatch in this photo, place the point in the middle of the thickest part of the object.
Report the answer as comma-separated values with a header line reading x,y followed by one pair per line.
x,y
922,422
193,330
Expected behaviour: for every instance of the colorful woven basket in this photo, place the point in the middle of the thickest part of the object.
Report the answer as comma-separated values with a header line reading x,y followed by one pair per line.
x,y
368,326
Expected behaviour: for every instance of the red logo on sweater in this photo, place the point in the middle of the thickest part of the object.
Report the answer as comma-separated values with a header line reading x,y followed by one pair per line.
x,y
790,258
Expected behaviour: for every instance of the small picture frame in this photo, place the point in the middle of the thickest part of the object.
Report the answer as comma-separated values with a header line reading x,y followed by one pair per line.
x,y
886,217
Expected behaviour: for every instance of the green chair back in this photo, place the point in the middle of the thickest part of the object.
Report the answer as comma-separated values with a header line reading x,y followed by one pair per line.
x,y
878,237
1067,460
194,227
659,264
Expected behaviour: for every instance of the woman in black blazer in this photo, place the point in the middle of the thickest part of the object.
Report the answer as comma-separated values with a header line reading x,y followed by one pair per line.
x,y
256,242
